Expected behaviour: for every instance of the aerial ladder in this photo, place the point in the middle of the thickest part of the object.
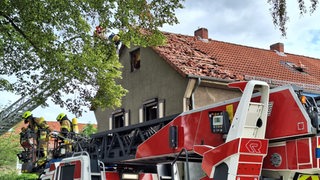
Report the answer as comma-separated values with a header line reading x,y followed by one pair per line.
x,y
267,135
11,115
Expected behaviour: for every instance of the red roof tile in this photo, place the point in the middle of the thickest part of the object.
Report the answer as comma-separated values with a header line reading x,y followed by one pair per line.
x,y
222,60
54,125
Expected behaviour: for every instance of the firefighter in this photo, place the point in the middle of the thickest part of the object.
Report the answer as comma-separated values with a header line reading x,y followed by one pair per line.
x,y
40,128
99,32
66,127
115,38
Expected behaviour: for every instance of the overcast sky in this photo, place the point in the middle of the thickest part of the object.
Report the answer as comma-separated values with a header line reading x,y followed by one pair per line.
x,y
245,22
249,22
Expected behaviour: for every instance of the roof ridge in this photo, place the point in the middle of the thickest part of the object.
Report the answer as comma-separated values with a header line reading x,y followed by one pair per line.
x,y
226,60
243,45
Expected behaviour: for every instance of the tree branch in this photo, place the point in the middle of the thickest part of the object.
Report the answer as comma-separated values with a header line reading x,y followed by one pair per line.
x,y
19,30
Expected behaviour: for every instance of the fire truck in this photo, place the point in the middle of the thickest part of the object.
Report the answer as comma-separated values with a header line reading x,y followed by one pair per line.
x,y
266,134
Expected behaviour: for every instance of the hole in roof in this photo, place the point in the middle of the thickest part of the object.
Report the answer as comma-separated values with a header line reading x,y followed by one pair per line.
x,y
296,67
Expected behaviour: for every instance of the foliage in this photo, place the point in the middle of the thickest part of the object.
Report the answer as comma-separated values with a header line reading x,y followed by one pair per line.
x,y
9,147
279,12
88,130
48,46
5,85
14,175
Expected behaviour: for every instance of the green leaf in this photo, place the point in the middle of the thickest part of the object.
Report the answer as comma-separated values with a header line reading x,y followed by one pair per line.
x,y
49,46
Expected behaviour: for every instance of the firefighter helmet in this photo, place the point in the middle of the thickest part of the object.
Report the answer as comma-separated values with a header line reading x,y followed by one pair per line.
x,y
61,116
27,114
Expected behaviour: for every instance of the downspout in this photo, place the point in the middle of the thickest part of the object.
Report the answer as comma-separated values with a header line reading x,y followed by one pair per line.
x,y
193,91
188,98
192,87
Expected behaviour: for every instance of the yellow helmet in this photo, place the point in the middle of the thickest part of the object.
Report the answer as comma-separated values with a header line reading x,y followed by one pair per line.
x,y
61,116
26,114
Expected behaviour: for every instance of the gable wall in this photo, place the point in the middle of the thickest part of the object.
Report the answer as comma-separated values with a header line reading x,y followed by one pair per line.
x,y
154,79
205,95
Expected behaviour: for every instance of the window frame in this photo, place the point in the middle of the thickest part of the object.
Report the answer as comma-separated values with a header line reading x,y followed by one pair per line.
x,y
150,104
115,115
135,62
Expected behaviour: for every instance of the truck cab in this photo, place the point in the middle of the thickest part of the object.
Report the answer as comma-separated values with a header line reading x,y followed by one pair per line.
x,y
79,166
313,109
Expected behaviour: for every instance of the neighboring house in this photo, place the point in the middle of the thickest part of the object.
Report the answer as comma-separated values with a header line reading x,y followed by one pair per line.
x,y
193,71
54,125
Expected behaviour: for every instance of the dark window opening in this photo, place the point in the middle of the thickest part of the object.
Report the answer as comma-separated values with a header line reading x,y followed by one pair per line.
x,y
67,172
150,110
135,59
118,119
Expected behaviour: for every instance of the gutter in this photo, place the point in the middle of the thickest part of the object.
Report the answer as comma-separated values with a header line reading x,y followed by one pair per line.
x,y
218,80
194,83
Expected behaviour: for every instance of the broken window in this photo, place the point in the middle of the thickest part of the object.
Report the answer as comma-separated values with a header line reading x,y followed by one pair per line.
x,y
135,59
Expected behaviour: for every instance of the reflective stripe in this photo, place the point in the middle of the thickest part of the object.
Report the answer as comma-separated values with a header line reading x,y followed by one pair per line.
x,y
40,120
309,177
315,177
65,124
43,135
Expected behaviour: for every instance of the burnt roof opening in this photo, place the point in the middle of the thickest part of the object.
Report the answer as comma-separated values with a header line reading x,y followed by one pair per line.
x,y
296,67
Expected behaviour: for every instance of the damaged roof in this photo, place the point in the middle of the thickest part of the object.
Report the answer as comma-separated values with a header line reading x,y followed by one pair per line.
x,y
197,56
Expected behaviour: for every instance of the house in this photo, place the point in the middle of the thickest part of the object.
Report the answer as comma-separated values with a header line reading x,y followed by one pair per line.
x,y
54,125
193,71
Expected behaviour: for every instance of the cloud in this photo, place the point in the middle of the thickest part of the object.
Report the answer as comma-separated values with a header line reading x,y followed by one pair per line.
x,y
249,23
49,113
245,22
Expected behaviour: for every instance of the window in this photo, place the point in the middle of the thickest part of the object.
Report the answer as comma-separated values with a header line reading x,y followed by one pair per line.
x,y
118,119
150,110
67,172
135,59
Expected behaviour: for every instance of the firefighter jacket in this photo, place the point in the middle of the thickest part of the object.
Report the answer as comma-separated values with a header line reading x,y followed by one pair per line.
x,y
40,127
65,126
38,124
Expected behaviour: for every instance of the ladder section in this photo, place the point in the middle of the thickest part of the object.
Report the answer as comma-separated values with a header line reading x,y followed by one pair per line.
x,y
10,116
254,121
242,154
250,119
120,144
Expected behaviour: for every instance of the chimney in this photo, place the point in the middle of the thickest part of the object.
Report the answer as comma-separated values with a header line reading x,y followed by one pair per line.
x,y
202,33
278,47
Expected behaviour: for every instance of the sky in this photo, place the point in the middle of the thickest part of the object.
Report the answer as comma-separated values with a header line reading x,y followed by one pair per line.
x,y
245,22
249,23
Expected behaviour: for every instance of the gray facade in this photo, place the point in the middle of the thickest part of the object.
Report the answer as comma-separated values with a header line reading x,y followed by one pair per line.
x,y
156,79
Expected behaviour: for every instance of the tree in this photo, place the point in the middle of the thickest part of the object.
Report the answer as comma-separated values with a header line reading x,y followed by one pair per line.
x,y
9,147
88,130
48,46
279,12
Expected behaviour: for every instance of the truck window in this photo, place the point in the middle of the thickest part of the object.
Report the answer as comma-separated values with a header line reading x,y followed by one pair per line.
x,y
67,172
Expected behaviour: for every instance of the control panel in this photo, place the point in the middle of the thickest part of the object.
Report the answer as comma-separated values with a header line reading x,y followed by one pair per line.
x,y
219,122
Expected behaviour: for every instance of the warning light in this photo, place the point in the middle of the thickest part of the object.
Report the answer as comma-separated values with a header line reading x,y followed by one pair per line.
x,y
303,99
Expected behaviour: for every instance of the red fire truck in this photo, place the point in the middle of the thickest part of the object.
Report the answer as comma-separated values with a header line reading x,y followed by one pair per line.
x,y
263,135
